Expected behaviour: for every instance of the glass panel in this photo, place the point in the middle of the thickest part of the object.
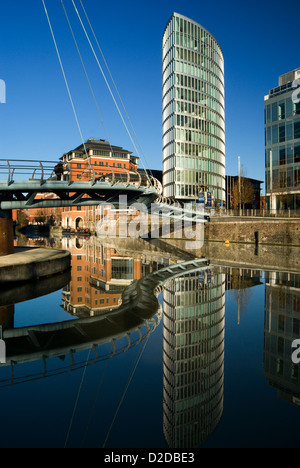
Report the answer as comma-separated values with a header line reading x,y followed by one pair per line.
x,y
297,129
290,178
297,177
274,112
274,134
268,136
289,131
281,110
282,156
289,107
282,176
297,153
290,154
268,114
275,157
281,133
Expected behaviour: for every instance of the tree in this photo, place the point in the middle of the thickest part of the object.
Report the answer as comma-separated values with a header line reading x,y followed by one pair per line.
x,y
243,197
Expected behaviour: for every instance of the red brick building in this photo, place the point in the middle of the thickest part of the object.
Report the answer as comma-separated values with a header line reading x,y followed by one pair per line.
x,y
95,159
99,275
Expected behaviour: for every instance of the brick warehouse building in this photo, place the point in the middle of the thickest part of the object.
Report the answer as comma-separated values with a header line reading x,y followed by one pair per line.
x,y
105,160
94,158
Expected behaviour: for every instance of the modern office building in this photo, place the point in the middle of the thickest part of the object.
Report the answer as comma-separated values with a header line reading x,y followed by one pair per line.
x,y
250,192
193,357
193,112
282,134
282,327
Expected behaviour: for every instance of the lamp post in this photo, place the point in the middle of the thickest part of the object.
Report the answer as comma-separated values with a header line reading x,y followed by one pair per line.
x,y
239,186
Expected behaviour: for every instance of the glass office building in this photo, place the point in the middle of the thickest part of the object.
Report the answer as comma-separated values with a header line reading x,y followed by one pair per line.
x,y
193,357
193,112
282,135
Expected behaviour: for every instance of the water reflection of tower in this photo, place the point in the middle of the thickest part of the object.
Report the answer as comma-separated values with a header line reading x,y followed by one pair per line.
x,y
282,326
193,358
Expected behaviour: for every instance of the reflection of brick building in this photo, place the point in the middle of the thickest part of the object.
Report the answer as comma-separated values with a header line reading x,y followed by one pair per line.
x,y
99,275
39,215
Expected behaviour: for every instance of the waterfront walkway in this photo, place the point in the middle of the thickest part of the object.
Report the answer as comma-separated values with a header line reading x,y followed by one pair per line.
x,y
28,264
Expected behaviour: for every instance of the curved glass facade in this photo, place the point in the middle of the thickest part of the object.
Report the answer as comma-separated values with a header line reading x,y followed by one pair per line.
x,y
193,112
193,357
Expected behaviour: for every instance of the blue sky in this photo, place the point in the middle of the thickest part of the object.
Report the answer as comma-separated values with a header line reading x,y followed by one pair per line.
x,y
259,42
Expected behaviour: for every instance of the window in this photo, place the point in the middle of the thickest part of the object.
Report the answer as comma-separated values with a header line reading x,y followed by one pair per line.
x,y
280,345
289,131
122,268
268,114
297,108
281,322
282,179
282,156
281,133
275,157
281,110
297,177
289,154
297,129
274,112
295,371
290,180
279,366
289,108
274,134
296,327
297,154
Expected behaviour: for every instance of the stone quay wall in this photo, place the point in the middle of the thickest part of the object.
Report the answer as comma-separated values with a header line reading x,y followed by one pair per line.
x,y
254,231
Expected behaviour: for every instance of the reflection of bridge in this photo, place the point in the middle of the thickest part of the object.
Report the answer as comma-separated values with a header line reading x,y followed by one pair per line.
x,y
137,317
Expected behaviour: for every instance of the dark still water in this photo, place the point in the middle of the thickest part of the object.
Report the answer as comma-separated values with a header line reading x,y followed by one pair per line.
x,y
134,351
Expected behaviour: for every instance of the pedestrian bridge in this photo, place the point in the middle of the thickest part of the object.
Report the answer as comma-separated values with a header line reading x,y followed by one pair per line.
x,y
22,182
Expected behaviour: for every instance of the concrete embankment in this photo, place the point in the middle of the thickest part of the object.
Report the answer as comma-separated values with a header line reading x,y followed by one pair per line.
x,y
29,264
270,231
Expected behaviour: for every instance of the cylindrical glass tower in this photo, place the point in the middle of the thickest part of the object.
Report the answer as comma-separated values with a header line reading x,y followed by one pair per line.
x,y
193,357
193,112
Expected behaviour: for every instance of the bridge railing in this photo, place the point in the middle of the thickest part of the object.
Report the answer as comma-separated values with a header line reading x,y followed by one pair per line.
x,y
14,169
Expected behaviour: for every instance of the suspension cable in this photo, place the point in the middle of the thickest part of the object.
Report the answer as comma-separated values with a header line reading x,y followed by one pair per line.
x,y
66,82
109,88
113,81
77,399
86,74
126,388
